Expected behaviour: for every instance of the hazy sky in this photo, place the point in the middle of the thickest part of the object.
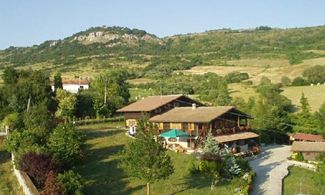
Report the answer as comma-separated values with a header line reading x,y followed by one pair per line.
x,y
28,22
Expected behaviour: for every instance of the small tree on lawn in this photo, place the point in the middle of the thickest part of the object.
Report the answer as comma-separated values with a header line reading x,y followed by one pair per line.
x,y
145,158
65,143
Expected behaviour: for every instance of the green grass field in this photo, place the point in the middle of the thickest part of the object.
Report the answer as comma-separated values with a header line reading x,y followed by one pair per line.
x,y
103,175
8,182
314,94
300,180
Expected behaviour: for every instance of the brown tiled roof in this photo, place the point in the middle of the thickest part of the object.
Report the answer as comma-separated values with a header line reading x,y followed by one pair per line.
x,y
308,146
236,136
149,103
307,137
188,114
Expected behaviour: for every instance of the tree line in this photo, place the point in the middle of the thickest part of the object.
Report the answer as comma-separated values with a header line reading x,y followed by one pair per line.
x,y
46,144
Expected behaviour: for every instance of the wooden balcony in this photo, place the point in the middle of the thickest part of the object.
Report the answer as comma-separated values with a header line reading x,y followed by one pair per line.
x,y
229,131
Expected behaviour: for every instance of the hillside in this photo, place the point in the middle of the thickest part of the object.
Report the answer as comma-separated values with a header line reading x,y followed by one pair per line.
x,y
262,51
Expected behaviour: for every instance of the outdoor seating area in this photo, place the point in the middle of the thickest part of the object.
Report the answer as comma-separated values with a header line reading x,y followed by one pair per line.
x,y
177,140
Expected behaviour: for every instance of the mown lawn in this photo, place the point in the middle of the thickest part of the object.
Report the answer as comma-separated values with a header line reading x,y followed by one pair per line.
x,y
8,182
103,175
300,180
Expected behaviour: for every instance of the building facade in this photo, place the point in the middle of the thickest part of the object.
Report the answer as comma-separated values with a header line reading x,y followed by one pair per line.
x,y
74,86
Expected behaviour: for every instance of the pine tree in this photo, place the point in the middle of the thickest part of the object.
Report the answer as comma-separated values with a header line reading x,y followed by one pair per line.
x,y
232,167
320,116
305,107
304,121
211,145
58,82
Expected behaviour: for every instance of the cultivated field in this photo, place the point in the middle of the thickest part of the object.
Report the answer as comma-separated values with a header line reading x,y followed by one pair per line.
x,y
315,94
274,69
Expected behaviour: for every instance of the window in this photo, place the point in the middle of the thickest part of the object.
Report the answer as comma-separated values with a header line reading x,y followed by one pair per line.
x,y
176,104
185,126
166,126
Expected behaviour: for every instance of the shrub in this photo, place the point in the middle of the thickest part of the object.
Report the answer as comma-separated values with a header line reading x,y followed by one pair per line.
x,y
315,74
52,185
236,77
65,144
38,166
208,167
285,81
72,182
299,157
193,166
299,81
243,164
22,142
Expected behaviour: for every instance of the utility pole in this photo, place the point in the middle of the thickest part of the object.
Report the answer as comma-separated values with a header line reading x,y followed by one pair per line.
x,y
105,95
28,102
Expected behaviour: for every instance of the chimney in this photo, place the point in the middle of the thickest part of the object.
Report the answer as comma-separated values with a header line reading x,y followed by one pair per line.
x,y
194,106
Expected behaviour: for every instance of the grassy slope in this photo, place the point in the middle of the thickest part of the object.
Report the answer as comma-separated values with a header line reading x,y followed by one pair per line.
x,y
8,182
103,175
314,94
299,176
274,69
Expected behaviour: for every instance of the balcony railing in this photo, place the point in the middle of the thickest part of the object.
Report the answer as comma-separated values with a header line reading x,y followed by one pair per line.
x,y
228,131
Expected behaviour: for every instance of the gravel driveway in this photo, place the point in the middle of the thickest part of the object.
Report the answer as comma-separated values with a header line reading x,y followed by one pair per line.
x,y
271,167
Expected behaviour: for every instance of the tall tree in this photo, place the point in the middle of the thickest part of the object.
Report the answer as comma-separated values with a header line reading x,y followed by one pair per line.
x,y
58,82
305,107
272,112
214,89
145,158
320,118
67,102
110,91
304,121
10,76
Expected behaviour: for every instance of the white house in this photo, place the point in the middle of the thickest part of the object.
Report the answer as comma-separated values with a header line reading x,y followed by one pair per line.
x,y
74,86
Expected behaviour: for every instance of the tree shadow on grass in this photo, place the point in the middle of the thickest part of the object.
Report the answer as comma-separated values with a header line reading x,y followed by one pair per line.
x,y
90,134
199,182
4,156
102,173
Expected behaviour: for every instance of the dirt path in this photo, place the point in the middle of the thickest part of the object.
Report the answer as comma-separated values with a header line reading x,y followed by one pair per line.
x,y
270,169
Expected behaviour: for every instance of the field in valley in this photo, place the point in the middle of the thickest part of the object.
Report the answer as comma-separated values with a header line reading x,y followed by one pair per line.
x,y
274,69
314,94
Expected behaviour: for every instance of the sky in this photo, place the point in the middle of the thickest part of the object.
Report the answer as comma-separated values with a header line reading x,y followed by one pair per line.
x,y
29,22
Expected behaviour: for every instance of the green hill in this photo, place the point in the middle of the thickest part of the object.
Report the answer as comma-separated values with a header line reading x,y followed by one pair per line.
x,y
260,52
